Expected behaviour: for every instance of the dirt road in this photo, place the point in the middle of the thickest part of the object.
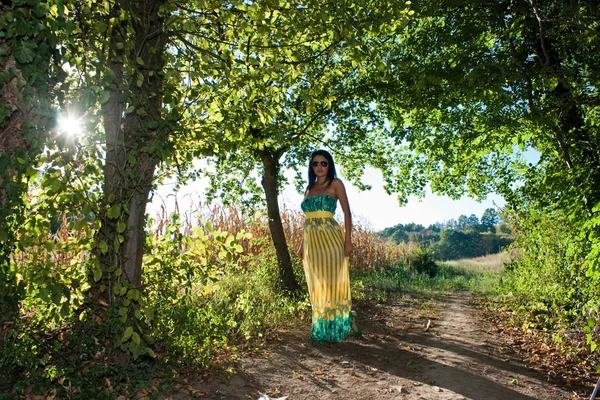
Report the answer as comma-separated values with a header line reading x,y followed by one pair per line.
x,y
458,357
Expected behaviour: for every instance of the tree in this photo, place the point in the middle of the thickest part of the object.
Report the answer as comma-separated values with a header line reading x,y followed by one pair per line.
x,y
400,236
286,76
28,61
123,79
473,223
489,220
134,128
451,224
462,223
471,85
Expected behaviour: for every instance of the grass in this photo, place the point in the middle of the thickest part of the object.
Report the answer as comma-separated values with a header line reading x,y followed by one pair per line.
x,y
493,263
478,275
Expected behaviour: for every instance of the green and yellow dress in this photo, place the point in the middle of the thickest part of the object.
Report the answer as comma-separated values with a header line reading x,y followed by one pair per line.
x,y
326,270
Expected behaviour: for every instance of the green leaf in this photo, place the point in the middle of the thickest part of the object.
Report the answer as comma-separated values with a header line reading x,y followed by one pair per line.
x,y
97,271
127,334
136,350
150,313
121,227
99,27
104,97
114,212
136,338
103,246
25,51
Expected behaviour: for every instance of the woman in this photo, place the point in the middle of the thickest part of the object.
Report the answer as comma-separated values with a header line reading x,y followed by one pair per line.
x,y
325,252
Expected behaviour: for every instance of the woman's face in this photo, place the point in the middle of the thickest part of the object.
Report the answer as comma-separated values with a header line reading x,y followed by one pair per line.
x,y
320,166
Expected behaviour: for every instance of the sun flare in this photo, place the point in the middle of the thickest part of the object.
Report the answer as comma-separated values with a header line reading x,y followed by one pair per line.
x,y
70,125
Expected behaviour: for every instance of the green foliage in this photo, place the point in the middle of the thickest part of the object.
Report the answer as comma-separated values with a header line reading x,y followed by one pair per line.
x,y
465,238
28,58
378,284
489,220
453,244
470,86
207,295
420,260
548,284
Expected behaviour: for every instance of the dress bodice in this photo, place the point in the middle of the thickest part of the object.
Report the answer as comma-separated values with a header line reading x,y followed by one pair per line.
x,y
320,202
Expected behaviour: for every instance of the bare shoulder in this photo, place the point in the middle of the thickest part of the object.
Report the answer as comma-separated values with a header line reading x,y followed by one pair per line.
x,y
338,187
337,183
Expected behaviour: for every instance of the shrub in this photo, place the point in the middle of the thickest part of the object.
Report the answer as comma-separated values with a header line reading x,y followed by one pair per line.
x,y
421,261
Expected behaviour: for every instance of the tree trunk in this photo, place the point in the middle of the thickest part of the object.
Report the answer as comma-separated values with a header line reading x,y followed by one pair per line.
x,y
130,162
270,162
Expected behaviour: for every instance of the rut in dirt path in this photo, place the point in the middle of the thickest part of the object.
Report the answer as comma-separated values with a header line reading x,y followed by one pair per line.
x,y
459,357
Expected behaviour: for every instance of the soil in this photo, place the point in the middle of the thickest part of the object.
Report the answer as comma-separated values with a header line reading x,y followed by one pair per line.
x,y
413,348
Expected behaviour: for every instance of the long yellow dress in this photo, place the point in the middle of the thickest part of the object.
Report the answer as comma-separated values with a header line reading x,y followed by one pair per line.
x,y
326,270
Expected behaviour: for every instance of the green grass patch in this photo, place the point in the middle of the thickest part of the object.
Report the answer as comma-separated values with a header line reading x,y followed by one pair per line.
x,y
462,275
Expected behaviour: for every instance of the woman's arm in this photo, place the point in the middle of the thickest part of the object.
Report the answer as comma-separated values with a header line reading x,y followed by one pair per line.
x,y
340,193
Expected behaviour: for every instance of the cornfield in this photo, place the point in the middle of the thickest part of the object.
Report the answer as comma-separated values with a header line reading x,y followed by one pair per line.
x,y
370,250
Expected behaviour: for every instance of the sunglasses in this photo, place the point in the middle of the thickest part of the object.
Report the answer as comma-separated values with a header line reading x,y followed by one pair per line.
x,y
323,164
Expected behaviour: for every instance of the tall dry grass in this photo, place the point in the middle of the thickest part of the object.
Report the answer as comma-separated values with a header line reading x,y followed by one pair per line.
x,y
493,263
370,250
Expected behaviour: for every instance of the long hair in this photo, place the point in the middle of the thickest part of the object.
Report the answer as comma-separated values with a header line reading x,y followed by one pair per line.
x,y
312,177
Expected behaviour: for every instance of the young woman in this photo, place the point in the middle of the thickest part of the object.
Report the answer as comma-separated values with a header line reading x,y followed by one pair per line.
x,y
325,250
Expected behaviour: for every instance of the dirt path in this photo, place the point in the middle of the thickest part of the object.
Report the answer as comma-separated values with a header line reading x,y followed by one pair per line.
x,y
458,357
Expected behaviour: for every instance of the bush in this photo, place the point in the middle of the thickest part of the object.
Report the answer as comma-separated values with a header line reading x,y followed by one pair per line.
x,y
421,261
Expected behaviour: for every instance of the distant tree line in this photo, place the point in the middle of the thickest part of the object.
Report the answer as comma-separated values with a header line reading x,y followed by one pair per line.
x,y
468,236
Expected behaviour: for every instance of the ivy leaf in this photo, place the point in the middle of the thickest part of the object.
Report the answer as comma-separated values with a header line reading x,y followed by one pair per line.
x,y
98,271
127,334
136,338
25,51
104,97
99,27
114,212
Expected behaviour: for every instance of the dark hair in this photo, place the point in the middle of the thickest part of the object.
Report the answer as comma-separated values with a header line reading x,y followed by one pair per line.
x,y
312,177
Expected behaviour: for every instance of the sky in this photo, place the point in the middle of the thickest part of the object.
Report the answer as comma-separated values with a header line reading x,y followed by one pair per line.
x,y
374,208
380,210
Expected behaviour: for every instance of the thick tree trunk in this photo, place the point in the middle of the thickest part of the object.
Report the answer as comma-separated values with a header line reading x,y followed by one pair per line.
x,y
130,163
270,162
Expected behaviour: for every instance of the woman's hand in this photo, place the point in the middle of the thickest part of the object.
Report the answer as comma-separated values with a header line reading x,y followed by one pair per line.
x,y
348,248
